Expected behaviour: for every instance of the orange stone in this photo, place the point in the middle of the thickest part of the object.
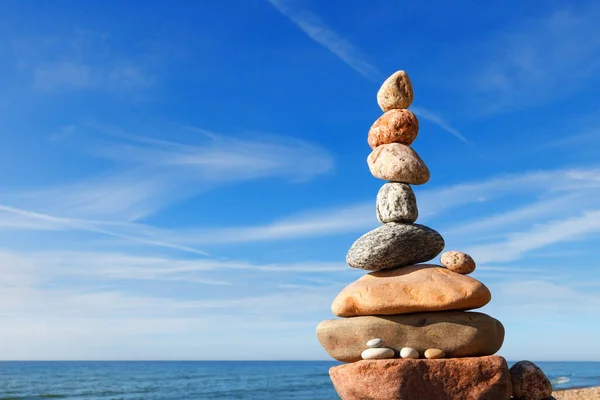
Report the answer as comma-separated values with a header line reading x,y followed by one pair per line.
x,y
415,288
401,126
481,378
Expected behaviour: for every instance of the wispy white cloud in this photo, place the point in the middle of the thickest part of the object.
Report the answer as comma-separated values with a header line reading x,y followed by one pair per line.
x,y
83,61
546,208
148,175
538,60
589,138
438,200
541,235
439,121
63,74
28,220
47,291
316,29
548,193
319,223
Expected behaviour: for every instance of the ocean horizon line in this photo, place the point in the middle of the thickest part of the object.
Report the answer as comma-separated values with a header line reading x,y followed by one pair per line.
x,y
257,360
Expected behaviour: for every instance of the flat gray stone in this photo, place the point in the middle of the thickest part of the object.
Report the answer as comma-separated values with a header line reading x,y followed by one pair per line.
x,y
394,245
396,202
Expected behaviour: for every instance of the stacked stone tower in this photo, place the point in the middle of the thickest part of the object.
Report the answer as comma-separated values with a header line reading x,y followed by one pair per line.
x,y
404,328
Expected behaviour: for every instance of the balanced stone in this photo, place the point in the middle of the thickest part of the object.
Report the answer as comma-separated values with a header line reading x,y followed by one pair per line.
x,y
399,163
458,262
529,382
433,354
395,92
401,126
396,202
457,333
482,378
373,343
394,245
416,288
378,353
408,352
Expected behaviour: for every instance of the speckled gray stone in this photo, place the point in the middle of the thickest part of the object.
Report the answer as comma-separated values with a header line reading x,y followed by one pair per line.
x,y
394,245
396,202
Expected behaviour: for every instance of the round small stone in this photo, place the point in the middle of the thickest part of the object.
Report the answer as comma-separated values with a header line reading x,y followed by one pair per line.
x,y
457,261
529,382
395,126
433,354
395,92
374,343
408,352
378,353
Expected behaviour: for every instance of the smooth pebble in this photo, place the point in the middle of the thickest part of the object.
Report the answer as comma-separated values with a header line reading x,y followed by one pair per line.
x,y
458,261
378,353
374,343
432,354
408,352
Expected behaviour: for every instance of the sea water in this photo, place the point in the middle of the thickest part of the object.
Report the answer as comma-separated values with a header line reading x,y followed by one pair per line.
x,y
264,380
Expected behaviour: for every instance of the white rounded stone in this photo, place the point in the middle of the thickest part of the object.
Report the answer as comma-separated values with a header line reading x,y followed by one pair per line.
x,y
408,352
373,343
378,353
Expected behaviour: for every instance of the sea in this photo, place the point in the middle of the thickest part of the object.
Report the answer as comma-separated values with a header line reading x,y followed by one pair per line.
x,y
178,380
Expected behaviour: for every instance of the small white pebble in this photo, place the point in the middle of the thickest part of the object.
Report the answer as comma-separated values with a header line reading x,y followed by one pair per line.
x,y
373,343
408,352
378,353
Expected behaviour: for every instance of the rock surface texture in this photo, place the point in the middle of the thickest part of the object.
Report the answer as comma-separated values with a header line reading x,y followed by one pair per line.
x,y
411,319
395,126
398,163
458,334
396,202
394,245
529,382
458,261
395,92
484,378
410,289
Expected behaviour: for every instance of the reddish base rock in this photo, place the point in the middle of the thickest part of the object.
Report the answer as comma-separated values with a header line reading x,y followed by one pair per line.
x,y
477,378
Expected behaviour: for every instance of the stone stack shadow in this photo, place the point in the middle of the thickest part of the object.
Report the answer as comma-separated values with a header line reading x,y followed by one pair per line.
x,y
404,327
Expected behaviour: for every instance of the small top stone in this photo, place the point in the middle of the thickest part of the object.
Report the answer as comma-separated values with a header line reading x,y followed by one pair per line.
x,y
458,262
373,343
396,92
529,382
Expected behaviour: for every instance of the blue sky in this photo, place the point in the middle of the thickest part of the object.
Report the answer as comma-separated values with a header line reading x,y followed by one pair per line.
x,y
182,180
